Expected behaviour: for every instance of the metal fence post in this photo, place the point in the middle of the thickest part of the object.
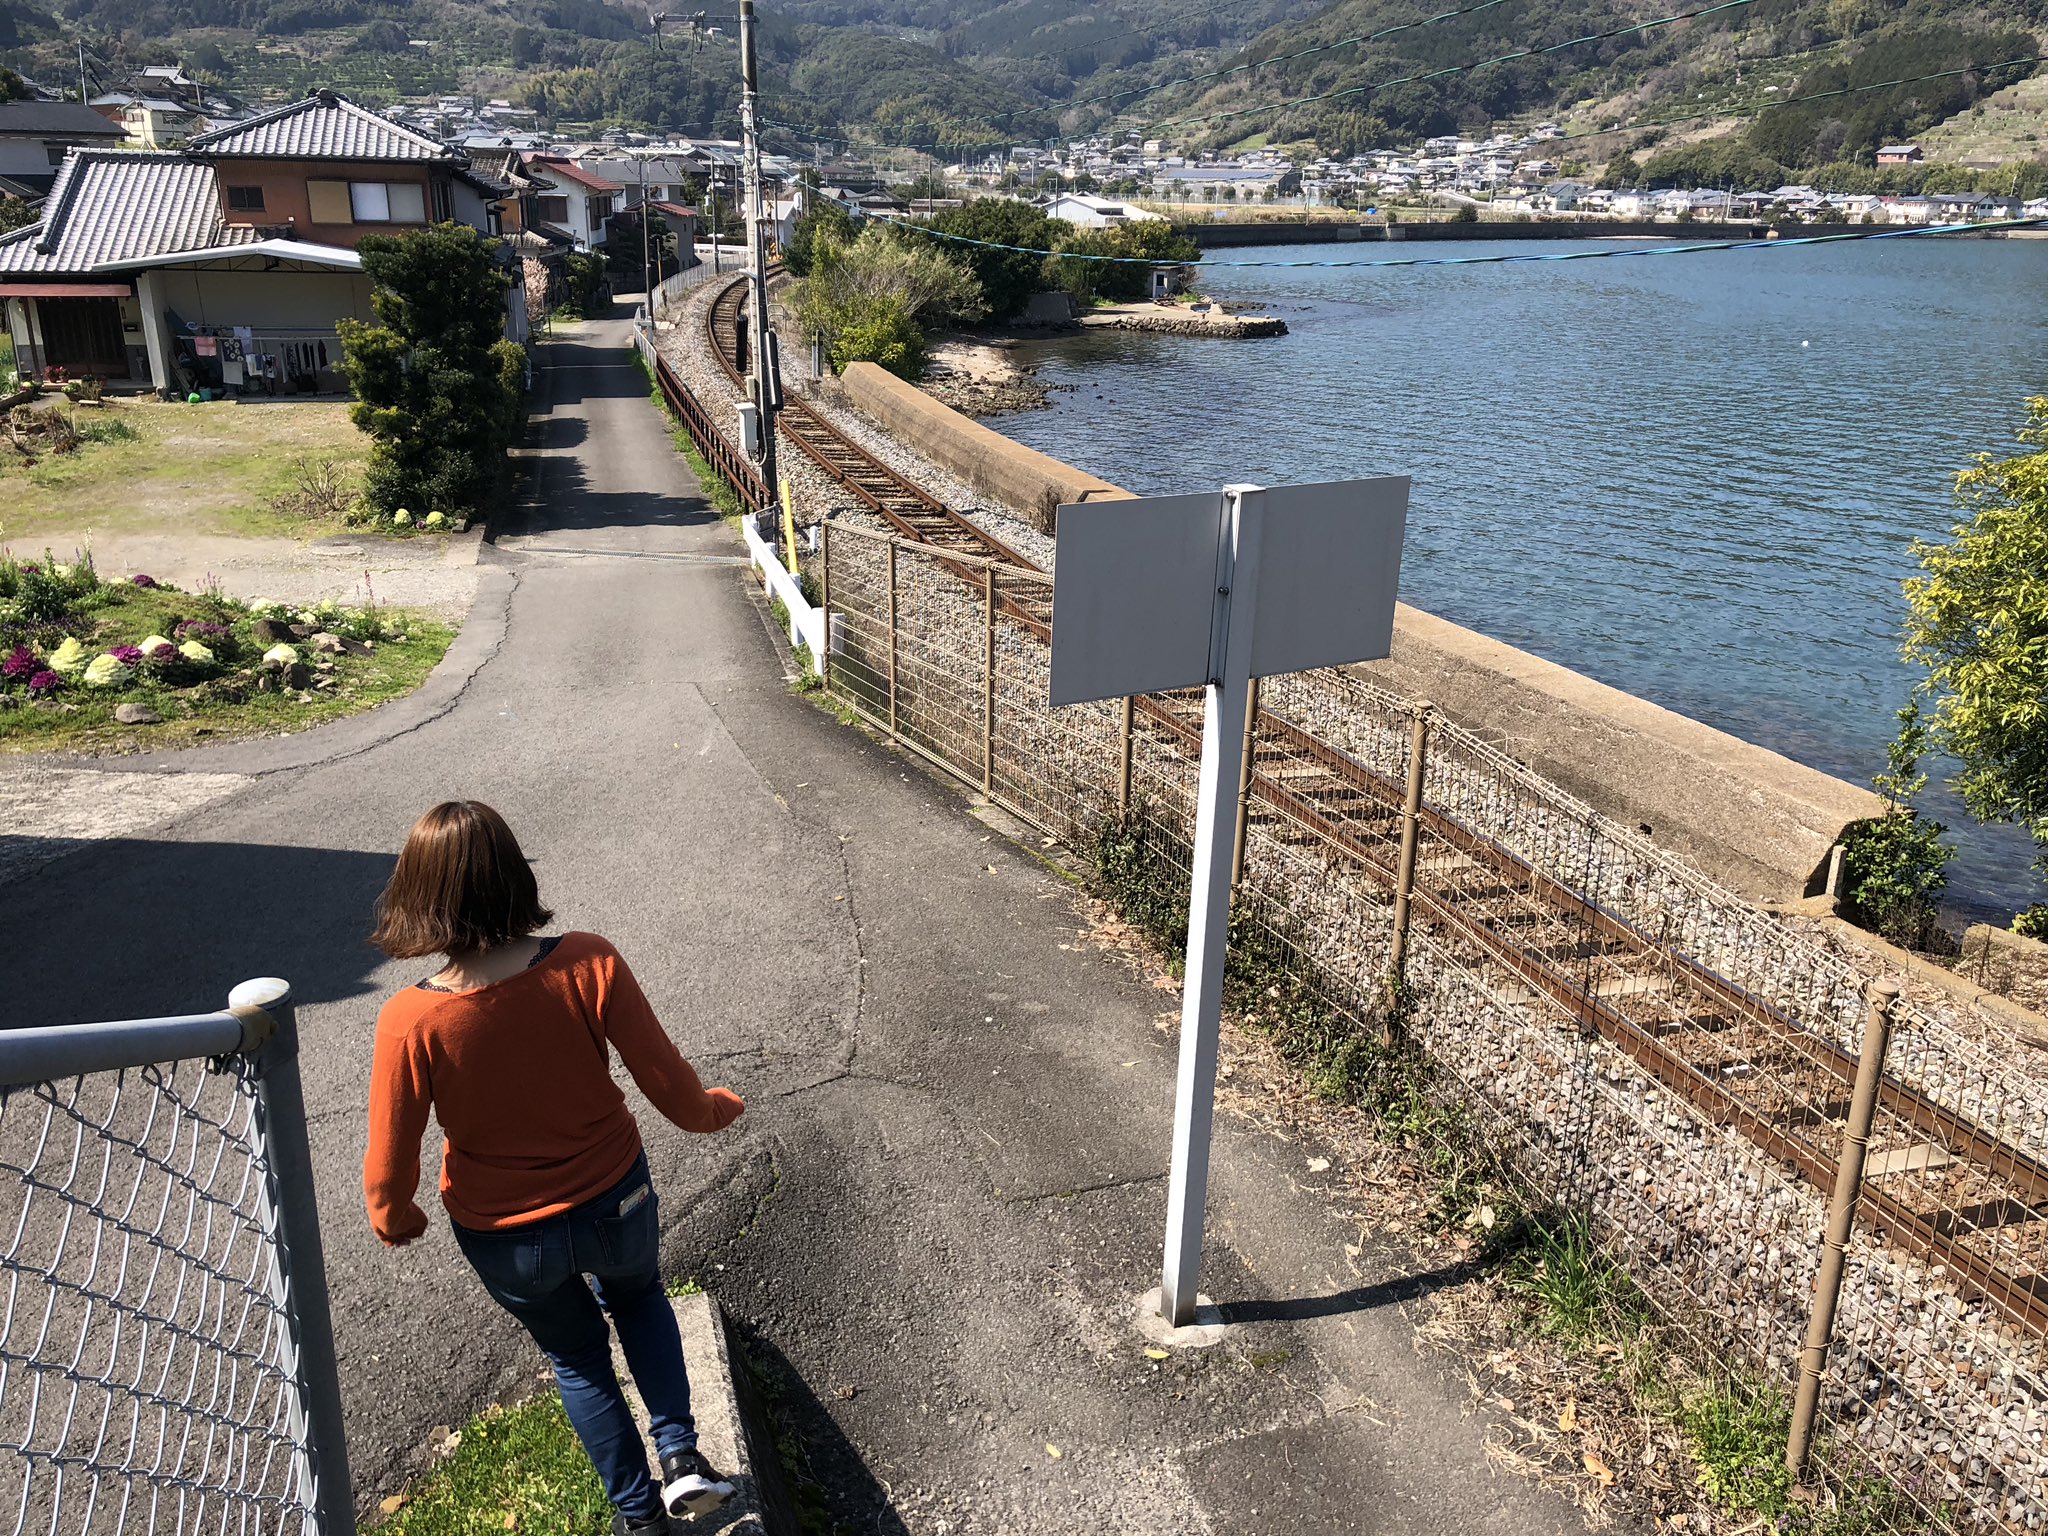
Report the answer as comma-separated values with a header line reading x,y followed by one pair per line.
x,y
1123,777
892,639
299,1276
1244,783
1404,873
1827,1290
825,598
988,679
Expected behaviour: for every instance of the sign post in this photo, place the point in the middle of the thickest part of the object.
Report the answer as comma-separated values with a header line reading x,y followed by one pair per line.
x,y
1213,590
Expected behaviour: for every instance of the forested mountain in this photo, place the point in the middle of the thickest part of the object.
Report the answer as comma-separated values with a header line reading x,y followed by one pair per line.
x,y
1338,75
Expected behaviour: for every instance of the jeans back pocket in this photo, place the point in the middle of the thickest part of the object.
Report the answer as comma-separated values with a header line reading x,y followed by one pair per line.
x,y
629,1236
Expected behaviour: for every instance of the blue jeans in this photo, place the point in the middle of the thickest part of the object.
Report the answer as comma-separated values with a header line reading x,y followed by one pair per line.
x,y
537,1274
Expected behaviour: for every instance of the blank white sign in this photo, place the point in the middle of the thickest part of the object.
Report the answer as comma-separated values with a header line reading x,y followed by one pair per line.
x,y
1134,585
1329,565
1134,591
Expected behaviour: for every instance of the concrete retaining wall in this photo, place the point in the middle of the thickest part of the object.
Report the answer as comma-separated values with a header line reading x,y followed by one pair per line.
x,y
1029,482
1754,820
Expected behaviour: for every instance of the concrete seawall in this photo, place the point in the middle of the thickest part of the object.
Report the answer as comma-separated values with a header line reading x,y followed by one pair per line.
x,y
1332,231
1757,821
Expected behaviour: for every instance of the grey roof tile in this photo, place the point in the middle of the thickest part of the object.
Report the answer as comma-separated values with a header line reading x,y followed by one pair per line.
x,y
115,205
56,120
322,127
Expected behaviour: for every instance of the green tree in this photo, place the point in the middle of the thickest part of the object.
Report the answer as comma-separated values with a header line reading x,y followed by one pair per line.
x,y
1978,622
15,212
12,87
436,384
823,218
1008,278
868,300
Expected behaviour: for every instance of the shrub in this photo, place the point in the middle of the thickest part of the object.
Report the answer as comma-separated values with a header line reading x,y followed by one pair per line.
x,y
323,489
1894,868
883,334
430,378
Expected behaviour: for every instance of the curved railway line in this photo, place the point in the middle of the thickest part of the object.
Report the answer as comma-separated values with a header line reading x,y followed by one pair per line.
x,y
1938,1186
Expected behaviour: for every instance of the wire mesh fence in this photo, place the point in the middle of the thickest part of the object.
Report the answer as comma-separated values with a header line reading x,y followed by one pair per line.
x,y
166,1360
1654,1054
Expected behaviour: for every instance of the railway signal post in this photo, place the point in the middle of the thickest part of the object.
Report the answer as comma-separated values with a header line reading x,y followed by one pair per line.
x,y
1214,590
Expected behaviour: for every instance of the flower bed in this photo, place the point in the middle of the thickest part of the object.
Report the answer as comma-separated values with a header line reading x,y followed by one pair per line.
x,y
93,664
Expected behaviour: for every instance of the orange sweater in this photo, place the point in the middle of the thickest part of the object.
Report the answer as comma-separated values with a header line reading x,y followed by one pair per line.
x,y
519,1075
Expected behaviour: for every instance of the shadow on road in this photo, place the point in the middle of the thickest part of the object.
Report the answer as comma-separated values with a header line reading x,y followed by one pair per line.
x,y
819,1466
130,928
1359,1298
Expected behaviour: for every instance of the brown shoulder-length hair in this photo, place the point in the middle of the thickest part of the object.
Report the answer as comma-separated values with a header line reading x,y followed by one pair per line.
x,y
461,885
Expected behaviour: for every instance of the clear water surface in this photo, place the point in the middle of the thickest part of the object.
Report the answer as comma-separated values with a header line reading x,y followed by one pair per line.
x,y
1695,477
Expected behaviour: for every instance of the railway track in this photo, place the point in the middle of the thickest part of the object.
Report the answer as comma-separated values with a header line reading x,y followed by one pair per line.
x,y
1937,1185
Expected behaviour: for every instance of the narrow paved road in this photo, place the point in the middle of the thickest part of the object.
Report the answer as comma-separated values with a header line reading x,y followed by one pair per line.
x,y
948,1188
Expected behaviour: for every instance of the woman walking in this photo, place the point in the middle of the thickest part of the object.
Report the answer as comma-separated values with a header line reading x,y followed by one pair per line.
x,y
542,1173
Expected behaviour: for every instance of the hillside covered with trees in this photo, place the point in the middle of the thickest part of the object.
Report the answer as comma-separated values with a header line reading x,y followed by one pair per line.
x,y
1697,99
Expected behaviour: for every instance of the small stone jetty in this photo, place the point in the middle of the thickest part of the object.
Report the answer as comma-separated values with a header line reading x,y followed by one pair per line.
x,y
1178,320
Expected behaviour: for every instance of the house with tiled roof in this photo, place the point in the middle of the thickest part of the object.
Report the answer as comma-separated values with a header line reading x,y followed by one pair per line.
x,y
35,136
132,277
229,264
327,170
570,198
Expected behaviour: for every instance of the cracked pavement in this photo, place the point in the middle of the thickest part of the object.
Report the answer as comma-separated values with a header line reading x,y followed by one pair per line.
x,y
934,1221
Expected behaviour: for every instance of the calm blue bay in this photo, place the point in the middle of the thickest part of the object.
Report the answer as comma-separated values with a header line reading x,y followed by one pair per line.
x,y
1696,478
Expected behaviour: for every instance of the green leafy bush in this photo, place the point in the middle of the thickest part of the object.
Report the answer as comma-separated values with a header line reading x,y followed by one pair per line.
x,y
434,384
884,334
1894,867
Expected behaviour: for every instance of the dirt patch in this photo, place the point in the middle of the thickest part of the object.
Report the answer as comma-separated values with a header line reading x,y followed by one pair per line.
x,y
983,379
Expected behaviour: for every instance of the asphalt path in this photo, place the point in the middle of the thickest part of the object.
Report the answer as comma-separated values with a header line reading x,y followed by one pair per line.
x,y
948,1189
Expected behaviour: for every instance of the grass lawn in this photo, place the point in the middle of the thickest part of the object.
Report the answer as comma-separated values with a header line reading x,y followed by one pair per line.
x,y
229,690
186,469
515,1469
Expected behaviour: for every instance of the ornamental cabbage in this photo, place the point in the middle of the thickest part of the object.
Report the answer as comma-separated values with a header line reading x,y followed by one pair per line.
x,y
151,644
280,655
69,659
192,650
107,671
402,518
436,520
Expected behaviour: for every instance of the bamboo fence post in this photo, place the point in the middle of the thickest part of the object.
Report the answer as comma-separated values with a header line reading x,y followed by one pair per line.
x,y
1244,783
1404,873
1123,777
1827,1289
892,640
988,680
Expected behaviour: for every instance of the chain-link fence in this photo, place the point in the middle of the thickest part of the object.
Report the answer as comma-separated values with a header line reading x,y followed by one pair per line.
x,y
1656,1055
166,1353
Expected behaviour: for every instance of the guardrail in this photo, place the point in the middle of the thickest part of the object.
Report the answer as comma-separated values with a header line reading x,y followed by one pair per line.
x,y
166,1349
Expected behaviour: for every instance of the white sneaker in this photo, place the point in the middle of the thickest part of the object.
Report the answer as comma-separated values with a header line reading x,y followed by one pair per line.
x,y
689,1486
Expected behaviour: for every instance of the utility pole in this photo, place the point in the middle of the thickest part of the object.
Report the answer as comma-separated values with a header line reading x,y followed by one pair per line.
x,y
646,272
757,247
82,97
